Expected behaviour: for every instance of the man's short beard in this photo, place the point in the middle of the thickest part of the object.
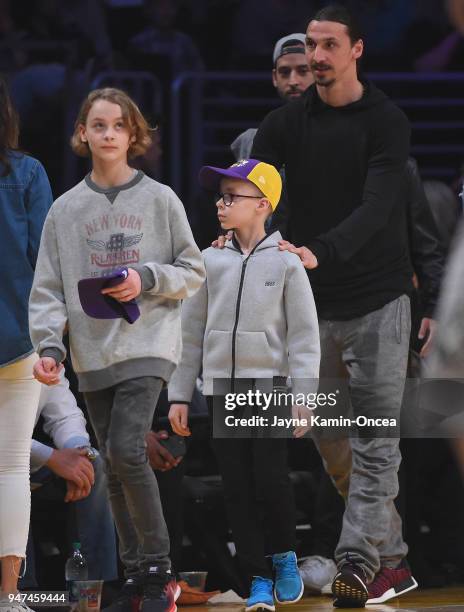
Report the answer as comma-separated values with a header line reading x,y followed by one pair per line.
x,y
324,83
288,97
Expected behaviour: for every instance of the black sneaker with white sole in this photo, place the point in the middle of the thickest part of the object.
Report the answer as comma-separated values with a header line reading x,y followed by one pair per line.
x,y
349,586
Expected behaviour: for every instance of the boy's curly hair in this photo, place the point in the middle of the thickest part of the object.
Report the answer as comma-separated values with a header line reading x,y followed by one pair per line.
x,y
131,114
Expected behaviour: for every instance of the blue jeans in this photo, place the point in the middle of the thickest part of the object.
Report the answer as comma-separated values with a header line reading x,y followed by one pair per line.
x,y
95,529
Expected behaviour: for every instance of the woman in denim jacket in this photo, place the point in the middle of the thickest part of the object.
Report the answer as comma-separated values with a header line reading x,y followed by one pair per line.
x,y
25,197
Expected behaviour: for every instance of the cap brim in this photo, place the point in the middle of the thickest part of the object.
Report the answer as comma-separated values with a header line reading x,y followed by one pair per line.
x,y
210,177
99,306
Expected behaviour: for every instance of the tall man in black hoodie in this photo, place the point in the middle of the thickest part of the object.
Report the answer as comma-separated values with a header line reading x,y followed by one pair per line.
x,y
345,145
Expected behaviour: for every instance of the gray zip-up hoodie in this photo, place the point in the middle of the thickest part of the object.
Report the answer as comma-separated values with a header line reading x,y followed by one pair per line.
x,y
254,317
89,232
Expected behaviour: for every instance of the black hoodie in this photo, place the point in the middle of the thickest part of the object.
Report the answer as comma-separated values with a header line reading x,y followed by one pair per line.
x,y
344,167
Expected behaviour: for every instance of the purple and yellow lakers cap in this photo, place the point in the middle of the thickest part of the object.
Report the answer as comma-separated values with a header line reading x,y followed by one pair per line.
x,y
99,306
264,176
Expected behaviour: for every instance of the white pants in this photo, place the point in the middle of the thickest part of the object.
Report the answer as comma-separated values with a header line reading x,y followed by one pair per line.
x,y
19,398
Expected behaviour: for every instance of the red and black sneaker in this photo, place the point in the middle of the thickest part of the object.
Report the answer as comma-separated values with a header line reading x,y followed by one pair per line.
x,y
160,591
349,586
128,599
390,583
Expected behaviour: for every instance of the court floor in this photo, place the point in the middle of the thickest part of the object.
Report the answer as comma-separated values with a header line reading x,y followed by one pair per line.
x,y
433,600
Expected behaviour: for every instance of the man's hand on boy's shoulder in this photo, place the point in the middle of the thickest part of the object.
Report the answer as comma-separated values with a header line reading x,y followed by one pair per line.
x,y
220,242
308,259
127,290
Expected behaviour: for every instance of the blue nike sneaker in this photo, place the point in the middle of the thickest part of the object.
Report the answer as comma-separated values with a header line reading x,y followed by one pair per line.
x,y
289,586
261,597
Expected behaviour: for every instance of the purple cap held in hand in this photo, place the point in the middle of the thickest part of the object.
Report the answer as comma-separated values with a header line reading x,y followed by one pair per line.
x,y
100,306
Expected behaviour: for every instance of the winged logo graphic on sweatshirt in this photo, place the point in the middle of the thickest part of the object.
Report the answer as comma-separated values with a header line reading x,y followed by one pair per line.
x,y
117,242
119,250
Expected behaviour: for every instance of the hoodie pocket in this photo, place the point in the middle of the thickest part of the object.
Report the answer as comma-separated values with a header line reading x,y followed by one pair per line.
x,y
253,351
217,360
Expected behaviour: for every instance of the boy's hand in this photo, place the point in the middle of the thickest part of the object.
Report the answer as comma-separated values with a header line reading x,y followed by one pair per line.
x,y
47,371
178,417
302,413
127,290
220,243
307,257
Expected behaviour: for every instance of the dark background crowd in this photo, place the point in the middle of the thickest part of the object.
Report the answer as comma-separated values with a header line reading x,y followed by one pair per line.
x,y
54,51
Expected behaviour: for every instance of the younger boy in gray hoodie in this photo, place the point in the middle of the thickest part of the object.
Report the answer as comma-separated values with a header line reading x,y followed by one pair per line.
x,y
254,318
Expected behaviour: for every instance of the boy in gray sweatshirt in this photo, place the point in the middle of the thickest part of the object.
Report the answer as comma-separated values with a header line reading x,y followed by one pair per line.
x,y
118,217
254,318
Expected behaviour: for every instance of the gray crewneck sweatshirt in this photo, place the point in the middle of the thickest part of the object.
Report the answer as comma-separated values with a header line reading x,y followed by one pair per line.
x,y
90,231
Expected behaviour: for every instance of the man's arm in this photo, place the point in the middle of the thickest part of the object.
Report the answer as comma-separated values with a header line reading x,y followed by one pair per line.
x,y
65,424
64,421
40,454
71,464
389,150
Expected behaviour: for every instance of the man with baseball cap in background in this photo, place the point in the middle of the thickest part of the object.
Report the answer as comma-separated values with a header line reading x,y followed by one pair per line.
x,y
291,76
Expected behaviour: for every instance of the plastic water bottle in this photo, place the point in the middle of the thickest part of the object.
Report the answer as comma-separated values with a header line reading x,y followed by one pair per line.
x,y
75,569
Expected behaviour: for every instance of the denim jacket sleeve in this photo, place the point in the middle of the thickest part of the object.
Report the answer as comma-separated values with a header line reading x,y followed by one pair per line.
x,y
38,199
